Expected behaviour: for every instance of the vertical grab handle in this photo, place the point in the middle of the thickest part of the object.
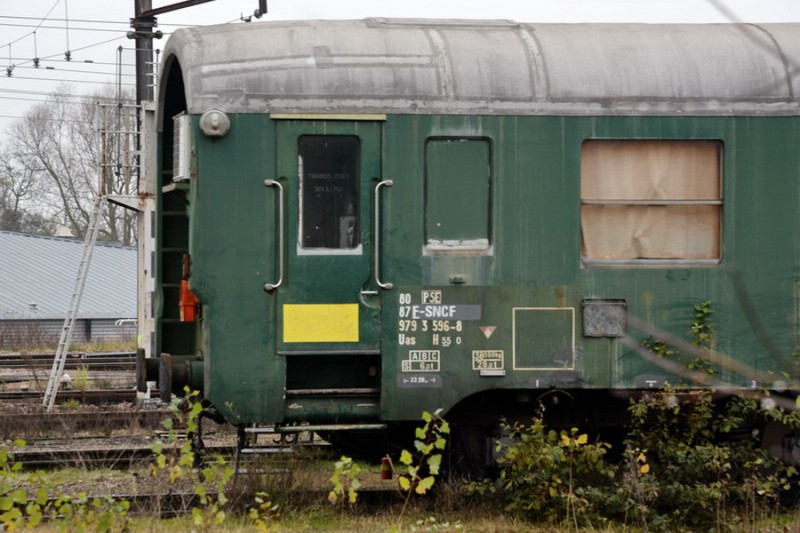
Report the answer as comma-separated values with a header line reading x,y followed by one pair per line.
x,y
384,183
281,244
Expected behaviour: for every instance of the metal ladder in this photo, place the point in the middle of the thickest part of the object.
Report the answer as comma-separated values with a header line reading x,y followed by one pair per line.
x,y
65,339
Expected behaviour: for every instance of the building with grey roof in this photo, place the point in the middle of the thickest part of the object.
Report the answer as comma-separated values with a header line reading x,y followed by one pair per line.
x,y
37,279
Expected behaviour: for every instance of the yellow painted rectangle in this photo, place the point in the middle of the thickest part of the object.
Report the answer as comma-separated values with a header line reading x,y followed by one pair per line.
x,y
320,323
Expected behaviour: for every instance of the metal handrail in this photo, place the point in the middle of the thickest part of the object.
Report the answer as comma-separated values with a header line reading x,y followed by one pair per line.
x,y
386,183
281,243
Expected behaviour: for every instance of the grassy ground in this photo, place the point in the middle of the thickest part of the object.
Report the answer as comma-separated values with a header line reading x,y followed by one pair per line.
x,y
303,506
327,521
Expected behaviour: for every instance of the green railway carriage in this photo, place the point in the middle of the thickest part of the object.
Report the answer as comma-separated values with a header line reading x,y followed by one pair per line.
x,y
361,220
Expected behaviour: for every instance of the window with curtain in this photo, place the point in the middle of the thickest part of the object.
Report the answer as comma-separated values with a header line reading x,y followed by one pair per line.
x,y
651,200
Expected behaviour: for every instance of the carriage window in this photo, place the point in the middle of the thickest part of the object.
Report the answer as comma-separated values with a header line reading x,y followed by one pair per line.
x,y
329,209
651,200
457,193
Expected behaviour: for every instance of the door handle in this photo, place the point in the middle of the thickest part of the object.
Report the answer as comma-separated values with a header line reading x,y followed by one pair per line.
x,y
377,255
281,244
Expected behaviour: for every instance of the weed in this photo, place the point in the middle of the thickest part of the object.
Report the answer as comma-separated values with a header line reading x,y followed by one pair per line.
x,y
175,460
701,334
422,466
81,380
72,403
18,511
211,508
345,482
264,513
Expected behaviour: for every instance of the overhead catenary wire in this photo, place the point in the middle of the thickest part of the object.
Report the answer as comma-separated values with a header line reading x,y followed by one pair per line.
x,y
55,94
75,50
12,25
88,61
46,119
41,21
67,80
67,56
86,100
76,71
92,21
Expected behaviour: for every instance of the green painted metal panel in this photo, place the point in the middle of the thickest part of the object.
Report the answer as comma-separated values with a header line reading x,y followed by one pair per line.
x,y
536,244
452,341
234,253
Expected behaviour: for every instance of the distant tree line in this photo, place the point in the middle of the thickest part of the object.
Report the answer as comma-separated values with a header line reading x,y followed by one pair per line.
x,y
55,160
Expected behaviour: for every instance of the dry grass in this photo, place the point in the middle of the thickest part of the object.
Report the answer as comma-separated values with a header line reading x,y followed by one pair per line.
x,y
49,344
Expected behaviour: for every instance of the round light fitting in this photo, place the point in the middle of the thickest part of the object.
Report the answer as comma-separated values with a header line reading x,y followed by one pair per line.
x,y
215,123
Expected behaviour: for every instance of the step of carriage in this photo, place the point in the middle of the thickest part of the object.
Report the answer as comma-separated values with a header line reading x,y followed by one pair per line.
x,y
338,391
279,451
280,444
321,428
347,405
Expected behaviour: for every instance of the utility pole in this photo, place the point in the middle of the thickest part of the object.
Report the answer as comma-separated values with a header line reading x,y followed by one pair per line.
x,y
142,24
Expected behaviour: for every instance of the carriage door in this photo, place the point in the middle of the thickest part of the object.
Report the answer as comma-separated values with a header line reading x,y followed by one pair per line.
x,y
328,303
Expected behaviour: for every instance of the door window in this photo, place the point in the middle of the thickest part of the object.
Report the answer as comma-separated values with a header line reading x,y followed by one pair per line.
x,y
328,168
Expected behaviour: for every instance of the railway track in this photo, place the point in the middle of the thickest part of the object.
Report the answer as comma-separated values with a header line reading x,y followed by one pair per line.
x,y
121,452
85,397
26,367
60,425
90,378
98,453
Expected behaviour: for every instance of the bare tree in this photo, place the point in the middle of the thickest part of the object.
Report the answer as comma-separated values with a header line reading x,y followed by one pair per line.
x,y
19,188
73,148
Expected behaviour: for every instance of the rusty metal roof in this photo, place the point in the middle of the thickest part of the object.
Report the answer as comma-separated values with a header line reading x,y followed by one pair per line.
x,y
37,278
488,67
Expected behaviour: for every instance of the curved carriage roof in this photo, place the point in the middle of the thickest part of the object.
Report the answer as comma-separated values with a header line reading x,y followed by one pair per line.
x,y
489,67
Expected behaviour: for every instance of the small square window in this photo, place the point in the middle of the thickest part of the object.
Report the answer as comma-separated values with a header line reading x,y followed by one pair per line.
x,y
457,194
604,318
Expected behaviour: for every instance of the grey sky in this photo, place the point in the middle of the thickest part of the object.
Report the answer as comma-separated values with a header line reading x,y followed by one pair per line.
x,y
86,39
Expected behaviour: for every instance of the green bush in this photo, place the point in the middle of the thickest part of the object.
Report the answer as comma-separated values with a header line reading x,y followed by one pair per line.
x,y
708,466
550,475
688,463
20,512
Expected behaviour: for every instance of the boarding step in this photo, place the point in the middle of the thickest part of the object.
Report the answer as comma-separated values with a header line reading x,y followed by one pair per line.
x,y
274,457
331,427
347,405
267,450
355,391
